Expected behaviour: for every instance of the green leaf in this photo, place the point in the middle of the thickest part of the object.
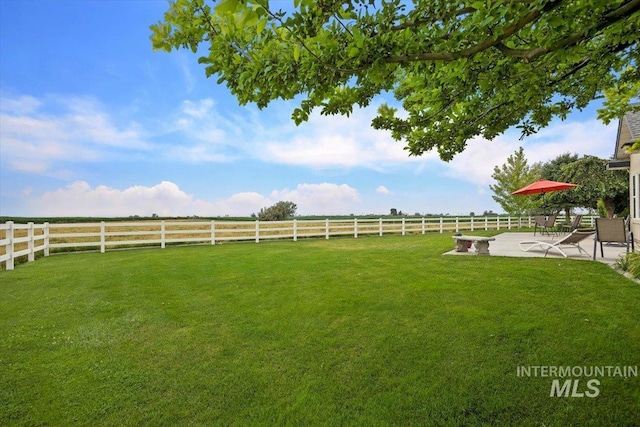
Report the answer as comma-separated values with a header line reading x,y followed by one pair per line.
x,y
226,6
296,52
261,24
251,19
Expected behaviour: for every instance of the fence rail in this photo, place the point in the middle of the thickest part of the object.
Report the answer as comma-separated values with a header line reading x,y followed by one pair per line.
x,y
26,240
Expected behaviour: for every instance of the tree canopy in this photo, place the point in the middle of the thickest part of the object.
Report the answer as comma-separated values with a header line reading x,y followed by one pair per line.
x,y
595,183
278,212
458,68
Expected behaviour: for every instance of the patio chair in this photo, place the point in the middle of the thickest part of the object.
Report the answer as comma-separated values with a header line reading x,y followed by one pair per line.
x,y
627,226
572,239
544,224
540,223
610,230
547,225
573,225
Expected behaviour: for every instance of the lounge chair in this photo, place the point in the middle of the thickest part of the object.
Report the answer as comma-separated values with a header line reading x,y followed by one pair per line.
x,y
572,239
611,230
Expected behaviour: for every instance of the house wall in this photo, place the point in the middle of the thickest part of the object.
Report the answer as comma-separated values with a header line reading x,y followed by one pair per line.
x,y
634,196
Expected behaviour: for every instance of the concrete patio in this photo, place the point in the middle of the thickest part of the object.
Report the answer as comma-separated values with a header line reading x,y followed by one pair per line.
x,y
507,244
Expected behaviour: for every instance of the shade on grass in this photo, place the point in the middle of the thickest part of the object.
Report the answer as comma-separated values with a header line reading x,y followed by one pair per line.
x,y
373,331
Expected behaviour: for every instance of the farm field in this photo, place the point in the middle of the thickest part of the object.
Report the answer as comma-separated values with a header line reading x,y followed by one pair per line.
x,y
367,331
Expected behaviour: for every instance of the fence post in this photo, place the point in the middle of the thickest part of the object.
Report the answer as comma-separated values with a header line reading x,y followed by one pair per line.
x,y
457,225
486,223
162,235
380,227
471,223
403,227
31,255
258,231
441,226
46,238
213,232
295,230
424,230
497,223
102,237
509,222
355,228
10,261
326,228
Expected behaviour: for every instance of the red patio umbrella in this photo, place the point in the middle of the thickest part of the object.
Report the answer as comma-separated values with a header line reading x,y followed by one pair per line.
x,y
544,186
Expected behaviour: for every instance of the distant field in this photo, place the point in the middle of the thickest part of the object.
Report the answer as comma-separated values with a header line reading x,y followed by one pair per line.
x,y
369,331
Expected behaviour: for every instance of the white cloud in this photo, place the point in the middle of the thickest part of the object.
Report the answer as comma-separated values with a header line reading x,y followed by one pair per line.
x,y
80,199
589,137
326,142
200,133
50,135
476,163
184,62
320,199
335,142
242,204
205,133
167,199
382,190
199,109
23,104
79,130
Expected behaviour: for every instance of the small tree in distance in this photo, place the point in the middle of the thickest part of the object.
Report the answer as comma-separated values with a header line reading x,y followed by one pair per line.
x,y
515,174
278,212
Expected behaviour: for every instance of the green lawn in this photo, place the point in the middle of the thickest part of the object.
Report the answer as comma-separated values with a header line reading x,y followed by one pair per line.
x,y
369,331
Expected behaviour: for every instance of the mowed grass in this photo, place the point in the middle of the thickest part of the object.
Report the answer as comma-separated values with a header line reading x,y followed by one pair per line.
x,y
369,331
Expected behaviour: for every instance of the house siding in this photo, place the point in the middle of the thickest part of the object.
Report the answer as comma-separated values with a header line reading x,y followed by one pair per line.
x,y
634,186
625,134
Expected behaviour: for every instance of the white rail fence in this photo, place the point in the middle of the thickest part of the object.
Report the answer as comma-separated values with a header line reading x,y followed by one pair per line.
x,y
20,240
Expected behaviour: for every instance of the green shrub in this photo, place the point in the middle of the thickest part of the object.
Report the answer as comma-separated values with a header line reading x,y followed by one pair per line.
x,y
633,260
630,263
623,262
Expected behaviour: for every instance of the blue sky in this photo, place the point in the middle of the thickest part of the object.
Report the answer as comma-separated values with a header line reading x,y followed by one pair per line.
x,y
93,122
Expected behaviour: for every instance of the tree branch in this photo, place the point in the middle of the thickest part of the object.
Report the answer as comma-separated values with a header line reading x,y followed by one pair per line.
x,y
609,19
455,14
532,16
529,55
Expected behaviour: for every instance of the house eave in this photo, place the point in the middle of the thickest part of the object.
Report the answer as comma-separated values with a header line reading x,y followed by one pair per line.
x,y
615,165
